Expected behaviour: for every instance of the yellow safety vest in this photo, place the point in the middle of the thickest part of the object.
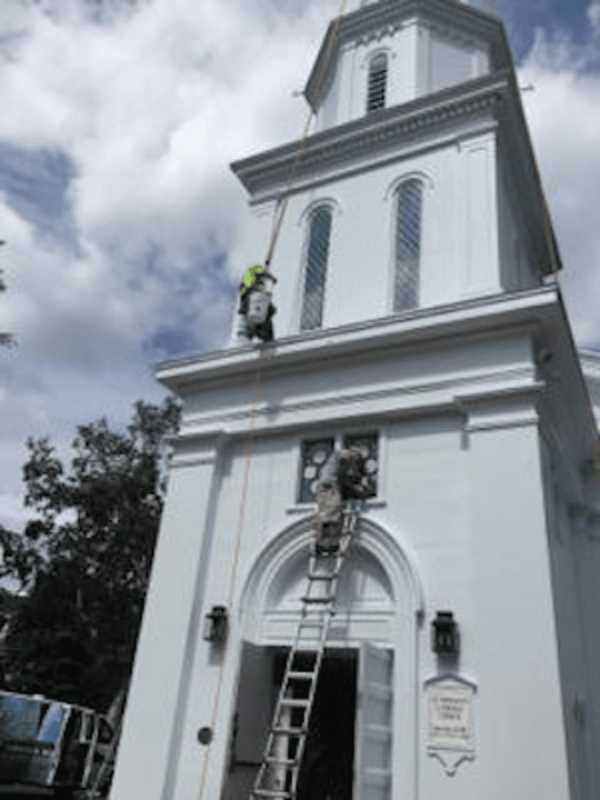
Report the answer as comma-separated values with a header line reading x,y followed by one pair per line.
x,y
251,276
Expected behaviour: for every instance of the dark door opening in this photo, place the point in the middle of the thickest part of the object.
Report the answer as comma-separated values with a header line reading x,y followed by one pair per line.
x,y
328,763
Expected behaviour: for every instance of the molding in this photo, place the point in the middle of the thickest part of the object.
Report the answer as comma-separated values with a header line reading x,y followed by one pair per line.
x,y
401,402
487,411
486,315
383,50
333,203
306,508
370,135
411,174
292,543
196,448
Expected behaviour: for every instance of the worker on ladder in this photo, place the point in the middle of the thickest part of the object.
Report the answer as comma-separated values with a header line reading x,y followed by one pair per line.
x,y
256,308
343,478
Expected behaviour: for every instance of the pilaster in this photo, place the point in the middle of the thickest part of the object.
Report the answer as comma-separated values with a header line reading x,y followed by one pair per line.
x,y
516,649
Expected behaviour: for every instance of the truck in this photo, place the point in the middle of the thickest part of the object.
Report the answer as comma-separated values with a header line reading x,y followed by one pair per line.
x,y
52,749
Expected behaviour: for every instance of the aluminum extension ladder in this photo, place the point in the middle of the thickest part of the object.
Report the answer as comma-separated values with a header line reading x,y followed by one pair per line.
x,y
282,759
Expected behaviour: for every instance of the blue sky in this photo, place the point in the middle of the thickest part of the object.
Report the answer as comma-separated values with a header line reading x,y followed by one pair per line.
x,y
123,219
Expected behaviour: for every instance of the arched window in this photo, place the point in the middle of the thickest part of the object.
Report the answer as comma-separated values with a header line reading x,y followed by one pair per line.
x,y
377,85
315,277
409,211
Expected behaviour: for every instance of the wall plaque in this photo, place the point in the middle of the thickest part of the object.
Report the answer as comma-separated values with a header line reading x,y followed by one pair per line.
x,y
450,720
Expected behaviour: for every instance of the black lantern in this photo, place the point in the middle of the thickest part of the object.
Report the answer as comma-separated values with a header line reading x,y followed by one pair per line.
x,y
216,624
445,638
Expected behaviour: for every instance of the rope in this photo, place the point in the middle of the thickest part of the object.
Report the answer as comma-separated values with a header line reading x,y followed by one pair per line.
x,y
282,205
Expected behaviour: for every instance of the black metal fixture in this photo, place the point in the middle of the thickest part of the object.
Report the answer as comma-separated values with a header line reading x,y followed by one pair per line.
x,y
216,623
205,736
445,637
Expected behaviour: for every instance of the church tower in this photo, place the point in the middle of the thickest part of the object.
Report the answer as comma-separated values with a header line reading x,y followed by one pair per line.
x,y
419,319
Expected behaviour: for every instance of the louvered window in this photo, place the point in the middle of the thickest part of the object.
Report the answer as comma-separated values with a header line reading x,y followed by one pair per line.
x,y
315,277
377,88
409,207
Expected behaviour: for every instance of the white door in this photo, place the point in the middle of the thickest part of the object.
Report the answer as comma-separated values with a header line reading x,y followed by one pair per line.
x,y
374,719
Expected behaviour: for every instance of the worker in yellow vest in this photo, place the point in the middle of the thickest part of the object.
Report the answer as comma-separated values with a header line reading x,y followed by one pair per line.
x,y
256,309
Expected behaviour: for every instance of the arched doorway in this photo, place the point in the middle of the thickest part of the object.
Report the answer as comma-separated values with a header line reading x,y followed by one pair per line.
x,y
368,672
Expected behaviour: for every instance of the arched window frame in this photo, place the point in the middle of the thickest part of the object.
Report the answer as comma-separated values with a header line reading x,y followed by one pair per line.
x,y
315,271
394,197
378,74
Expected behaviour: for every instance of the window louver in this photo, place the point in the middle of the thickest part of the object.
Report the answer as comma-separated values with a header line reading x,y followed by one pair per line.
x,y
377,88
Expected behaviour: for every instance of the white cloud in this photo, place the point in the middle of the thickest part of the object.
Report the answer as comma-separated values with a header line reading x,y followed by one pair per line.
x,y
593,14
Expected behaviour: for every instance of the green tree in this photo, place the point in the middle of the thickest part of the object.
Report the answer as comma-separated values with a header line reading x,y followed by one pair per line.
x,y
86,557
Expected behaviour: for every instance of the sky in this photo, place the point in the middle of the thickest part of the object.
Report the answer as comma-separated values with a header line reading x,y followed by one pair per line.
x,y
123,221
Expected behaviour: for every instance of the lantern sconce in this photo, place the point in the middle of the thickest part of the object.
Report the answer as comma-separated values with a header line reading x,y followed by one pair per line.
x,y
216,624
445,636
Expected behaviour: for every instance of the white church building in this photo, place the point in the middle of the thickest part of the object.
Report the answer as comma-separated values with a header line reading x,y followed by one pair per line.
x,y
419,318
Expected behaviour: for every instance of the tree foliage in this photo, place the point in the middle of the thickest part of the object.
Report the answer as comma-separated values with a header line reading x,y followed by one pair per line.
x,y
86,556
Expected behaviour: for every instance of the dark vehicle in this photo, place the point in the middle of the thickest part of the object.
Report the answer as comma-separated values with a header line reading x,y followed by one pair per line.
x,y
50,749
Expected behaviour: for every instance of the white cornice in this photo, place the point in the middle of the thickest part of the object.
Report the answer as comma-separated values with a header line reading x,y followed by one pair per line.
x,y
479,315
371,136
538,314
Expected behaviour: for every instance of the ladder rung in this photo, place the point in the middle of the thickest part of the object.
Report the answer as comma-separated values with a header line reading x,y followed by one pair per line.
x,y
317,600
281,762
294,703
271,793
301,676
281,731
315,576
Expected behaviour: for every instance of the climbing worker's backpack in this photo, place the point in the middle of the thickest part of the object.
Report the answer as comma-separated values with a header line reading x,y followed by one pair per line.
x,y
258,308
